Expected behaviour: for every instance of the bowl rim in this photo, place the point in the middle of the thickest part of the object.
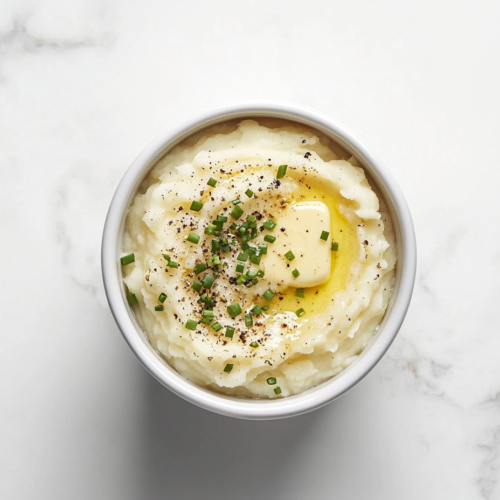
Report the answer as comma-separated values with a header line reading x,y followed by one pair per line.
x,y
248,408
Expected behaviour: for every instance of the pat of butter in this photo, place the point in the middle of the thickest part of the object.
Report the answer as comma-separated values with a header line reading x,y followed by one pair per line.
x,y
303,223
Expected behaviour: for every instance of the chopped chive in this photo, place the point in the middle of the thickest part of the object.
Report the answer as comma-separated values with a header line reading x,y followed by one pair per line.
x,y
277,390
254,344
269,224
263,249
260,273
208,280
281,171
243,257
236,202
191,324
159,308
127,259
271,380
255,259
234,310
240,268
269,238
199,268
249,193
233,226
212,182
269,295
166,257
295,273
236,212
228,368
215,245
193,238
132,299
171,263
256,309
197,285
289,255
222,218
196,206
229,332
299,292
335,246
216,326
324,235
207,314
162,297
300,312
265,307
248,319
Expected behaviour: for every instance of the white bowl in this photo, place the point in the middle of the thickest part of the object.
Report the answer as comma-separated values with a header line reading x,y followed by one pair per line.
x,y
250,408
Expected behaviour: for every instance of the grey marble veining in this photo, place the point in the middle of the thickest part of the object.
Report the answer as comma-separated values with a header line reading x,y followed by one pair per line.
x,y
85,85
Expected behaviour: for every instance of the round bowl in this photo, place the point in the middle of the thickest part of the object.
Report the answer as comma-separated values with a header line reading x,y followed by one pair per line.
x,y
253,408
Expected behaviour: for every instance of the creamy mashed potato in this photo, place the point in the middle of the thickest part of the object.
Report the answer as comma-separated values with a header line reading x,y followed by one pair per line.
x,y
233,310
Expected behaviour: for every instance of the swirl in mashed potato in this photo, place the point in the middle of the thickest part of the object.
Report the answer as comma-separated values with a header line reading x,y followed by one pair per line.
x,y
298,341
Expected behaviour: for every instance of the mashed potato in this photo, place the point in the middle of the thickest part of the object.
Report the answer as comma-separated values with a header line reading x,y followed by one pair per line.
x,y
254,285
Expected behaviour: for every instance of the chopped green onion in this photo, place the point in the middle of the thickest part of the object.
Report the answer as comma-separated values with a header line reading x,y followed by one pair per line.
x,y
256,309
207,314
199,268
132,299
265,307
171,263
271,380
233,226
234,310
254,281
299,292
242,230
251,218
193,238
166,257
222,218
300,312
236,212
212,182
240,279
289,255
335,246
229,332
236,202
295,273
208,280
215,245
191,324
216,326
127,259
240,268
248,319
254,344
324,235
252,273
269,238
254,259
197,285
260,273
207,321
263,249
249,193
281,171
216,259
210,229
218,224
228,368
226,248
269,224
162,297
159,308
269,295
243,257
277,390
196,206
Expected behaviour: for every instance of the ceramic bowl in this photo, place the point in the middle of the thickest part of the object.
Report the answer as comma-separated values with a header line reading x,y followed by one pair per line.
x,y
135,337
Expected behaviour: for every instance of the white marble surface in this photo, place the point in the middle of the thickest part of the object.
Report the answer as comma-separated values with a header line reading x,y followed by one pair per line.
x,y
85,85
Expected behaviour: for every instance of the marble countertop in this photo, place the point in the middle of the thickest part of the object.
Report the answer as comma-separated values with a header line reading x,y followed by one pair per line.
x,y
85,85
